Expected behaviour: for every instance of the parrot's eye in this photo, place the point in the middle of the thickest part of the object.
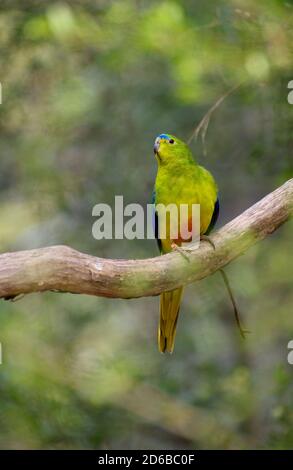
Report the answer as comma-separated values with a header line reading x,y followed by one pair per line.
x,y
171,141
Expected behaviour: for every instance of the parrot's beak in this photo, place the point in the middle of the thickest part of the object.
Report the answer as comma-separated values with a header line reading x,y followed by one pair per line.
x,y
156,146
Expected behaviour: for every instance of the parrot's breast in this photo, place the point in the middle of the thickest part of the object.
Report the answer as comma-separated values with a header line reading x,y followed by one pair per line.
x,y
193,186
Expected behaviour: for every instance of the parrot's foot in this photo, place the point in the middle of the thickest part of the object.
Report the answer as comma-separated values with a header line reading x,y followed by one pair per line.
x,y
205,238
185,250
181,250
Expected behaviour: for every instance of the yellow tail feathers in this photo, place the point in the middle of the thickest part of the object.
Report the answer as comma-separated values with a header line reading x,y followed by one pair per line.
x,y
169,311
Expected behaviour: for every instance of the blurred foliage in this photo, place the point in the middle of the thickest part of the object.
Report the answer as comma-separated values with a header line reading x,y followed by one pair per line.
x,y
86,87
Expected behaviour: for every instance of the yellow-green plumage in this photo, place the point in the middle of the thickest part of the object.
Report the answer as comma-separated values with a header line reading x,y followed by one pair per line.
x,y
169,311
179,181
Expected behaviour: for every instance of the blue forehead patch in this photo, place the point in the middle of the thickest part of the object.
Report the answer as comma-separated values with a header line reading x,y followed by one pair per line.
x,y
164,136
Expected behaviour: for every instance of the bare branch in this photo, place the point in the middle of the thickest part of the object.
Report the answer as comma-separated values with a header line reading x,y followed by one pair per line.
x,y
60,268
204,123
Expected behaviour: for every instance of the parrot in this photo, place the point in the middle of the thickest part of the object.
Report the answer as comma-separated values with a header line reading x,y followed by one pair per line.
x,y
180,180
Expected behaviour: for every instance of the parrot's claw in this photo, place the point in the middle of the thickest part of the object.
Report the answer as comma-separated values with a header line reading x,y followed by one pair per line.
x,y
185,250
181,250
205,238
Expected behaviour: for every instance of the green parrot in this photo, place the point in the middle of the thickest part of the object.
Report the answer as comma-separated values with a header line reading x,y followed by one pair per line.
x,y
180,180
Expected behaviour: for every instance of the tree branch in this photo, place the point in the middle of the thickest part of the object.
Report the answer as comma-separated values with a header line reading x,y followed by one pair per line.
x,y
64,269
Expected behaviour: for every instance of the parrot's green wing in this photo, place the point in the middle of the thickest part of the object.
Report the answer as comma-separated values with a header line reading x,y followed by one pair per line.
x,y
214,217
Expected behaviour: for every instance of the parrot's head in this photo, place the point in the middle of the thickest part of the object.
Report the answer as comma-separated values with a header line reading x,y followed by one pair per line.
x,y
171,150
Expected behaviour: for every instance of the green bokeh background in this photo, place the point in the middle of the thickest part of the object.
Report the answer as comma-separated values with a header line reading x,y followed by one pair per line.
x,y
86,87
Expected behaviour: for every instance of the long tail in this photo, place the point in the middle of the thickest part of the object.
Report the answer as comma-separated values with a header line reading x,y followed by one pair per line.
x,y
169,311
